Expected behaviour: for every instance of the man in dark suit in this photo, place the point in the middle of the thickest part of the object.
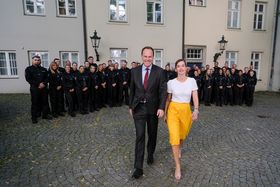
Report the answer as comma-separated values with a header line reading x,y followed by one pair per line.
x,y
146,105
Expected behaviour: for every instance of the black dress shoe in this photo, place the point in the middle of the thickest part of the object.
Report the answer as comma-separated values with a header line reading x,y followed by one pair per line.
x,y
73,115
61,114
150,160
137,173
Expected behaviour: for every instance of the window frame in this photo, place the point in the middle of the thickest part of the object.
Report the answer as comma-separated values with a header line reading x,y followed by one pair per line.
x,y
117,12
118,59
66,9
254,60
154,11
70,56
230,59
231,12
39,53
161,57
257,14
35,8
8,64
198,61
196,4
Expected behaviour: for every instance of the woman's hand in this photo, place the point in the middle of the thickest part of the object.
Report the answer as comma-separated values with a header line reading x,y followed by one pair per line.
x,y
195,115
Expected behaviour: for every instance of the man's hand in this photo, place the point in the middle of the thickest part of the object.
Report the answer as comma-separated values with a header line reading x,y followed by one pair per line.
x,y
160,113
41,85
58,88
130,112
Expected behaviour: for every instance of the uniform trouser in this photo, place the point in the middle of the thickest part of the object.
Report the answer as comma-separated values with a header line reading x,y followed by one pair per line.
x,y
219,96
228,96
92,99
250,95
207,95
112,94
56,98
213,94
39,102
70,98
141,119
83,100
123,93
103,96
239,95
235,95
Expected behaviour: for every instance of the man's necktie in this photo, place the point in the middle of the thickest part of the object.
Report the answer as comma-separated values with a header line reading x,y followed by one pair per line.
x,y
146,79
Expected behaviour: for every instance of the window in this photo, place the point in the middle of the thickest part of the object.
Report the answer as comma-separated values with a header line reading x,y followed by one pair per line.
x,y
66,7
231,58
233,14
8,64
34,7
197,2
44,57
259,16
118,10
154,11
158,60
118,54
195,55
71,56
256,62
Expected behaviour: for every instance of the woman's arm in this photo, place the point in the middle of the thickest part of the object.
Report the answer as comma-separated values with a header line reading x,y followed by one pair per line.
x,y
168,99
196,104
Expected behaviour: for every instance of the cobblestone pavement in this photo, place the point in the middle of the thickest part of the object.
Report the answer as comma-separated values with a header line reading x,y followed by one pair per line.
x,y
228,146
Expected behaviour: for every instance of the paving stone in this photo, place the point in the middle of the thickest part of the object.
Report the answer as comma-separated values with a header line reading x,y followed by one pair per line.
x,y
228,146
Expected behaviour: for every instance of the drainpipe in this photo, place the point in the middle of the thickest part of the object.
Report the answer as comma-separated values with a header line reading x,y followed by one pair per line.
x,y
274,45
85,28
183,30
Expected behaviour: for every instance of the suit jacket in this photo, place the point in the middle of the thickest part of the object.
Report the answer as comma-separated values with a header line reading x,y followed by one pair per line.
x,y
156,92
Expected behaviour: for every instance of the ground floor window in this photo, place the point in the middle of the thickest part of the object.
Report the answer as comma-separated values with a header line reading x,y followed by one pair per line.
x,y
118,54
195,55
44,57
231,58
256,62
158,60
8,64
69,56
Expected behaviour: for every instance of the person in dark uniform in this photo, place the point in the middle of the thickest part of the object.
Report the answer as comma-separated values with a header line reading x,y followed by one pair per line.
x,y
251,83
124,81
55,87
240,83
112,85
228,88
117,78
198,79
220,87
75,72
234,76
103,84
68,82
82,88
92,62
207,87
37,77
94,100
61,70
169,74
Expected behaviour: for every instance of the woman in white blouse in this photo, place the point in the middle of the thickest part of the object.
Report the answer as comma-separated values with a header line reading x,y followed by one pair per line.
x,y
178,113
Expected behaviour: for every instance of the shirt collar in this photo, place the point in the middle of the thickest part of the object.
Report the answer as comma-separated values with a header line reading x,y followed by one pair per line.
x,y
144,67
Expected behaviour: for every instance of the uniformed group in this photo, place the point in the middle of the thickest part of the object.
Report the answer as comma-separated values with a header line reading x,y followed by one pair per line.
x,y
82,89
91,86
222,85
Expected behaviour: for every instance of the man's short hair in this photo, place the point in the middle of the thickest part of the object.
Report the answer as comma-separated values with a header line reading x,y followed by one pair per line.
x,y
90,57
36,56
147,47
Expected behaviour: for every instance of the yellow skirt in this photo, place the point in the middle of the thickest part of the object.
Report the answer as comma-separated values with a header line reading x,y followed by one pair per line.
x,y
179,121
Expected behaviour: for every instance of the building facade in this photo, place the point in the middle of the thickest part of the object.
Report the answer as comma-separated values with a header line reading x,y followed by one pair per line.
x,y
187,29
48,28
248,26
126,26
